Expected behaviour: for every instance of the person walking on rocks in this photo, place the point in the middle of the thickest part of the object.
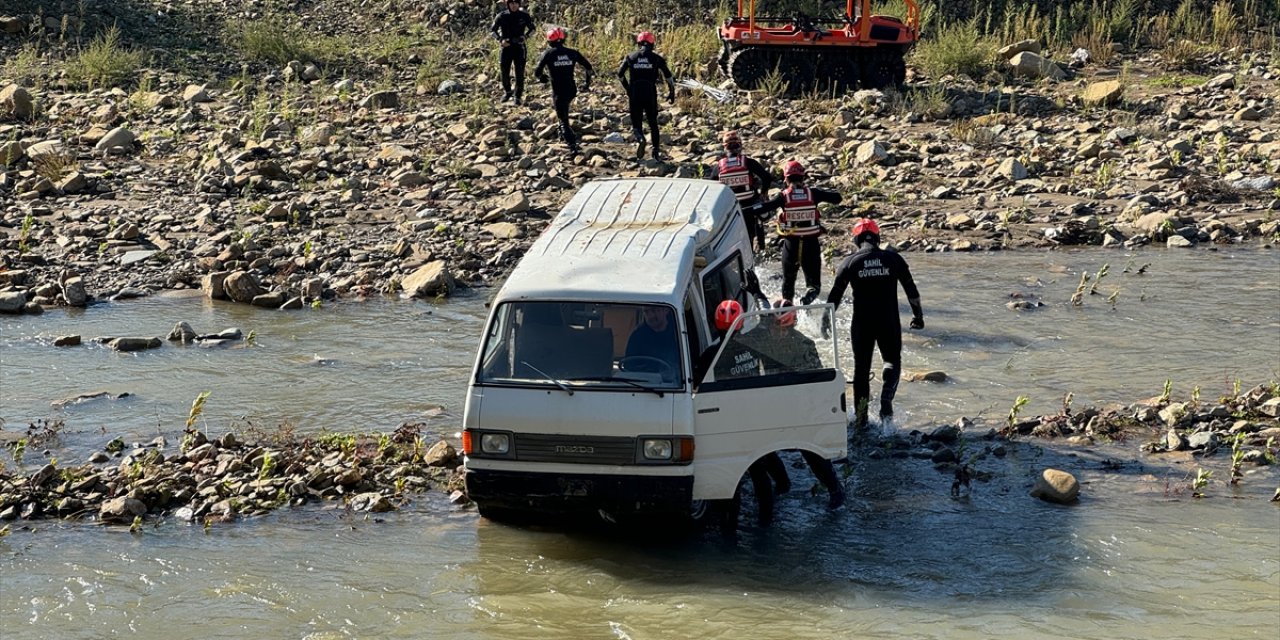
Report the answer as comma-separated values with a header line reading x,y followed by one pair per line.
x,y
799,224
645,67
874,274
561,61
748,179
510,29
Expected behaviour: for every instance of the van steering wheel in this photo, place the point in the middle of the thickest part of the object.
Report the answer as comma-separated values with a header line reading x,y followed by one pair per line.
x,y
649,364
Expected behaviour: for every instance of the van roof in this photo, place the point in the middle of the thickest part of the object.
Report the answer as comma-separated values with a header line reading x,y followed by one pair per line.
x,y
623,240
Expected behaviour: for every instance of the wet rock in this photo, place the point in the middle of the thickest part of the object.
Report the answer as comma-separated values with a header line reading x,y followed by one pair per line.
x,y
431,279
12,301
213,285
122,509
67,341
182,332
1178,242
242,286
271,300
946,434
1202,440
134,343
943,455
372,502
1053,485
292,304
16,103
925,376
441,454
99,457
460,497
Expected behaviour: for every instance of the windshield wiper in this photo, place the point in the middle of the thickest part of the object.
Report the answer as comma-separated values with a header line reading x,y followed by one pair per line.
x,y
563,387
622,380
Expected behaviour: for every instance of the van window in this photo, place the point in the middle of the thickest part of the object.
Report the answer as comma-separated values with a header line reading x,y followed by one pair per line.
x,y
583,344
770,348
723,282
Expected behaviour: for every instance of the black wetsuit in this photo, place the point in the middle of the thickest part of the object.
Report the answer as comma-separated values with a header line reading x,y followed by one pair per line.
x,y
800,248
733,170
873,274
645,67
560,61
514,27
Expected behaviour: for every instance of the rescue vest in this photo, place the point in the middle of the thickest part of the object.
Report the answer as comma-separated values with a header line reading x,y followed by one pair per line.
x,y
734,174
799,213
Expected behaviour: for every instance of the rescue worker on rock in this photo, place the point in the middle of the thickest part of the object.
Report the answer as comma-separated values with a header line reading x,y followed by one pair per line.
x,y
874,275
748,179
561,61
510,29
799,224
645,67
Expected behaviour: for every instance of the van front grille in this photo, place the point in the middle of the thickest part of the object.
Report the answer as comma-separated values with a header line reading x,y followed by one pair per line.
x,y
541,447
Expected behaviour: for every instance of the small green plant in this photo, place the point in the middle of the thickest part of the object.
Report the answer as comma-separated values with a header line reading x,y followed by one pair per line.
x,y
104,63
19,449
197,408
27,223
1077,298
136,527
5,531
316,304
1097,278
251,339
1237,457
1195,396
268,466
956,49
1166,392
1018,404
1200,482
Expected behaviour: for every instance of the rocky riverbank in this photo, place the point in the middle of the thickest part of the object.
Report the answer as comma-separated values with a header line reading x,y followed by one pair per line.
x,y
399,172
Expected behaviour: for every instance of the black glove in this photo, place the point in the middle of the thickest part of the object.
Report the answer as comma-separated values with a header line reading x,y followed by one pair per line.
x,y
917,322
826,327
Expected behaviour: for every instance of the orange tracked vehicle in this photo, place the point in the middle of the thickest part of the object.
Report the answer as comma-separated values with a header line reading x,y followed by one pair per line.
x,y
837,53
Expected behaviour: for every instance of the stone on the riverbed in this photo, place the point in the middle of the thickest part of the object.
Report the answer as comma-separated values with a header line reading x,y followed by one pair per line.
x,y
136,256
242,286
16,103
430,279
516,202
1103,94
1202,440
946,434
1053,485
73,292
381,100
1178,242
943,454
292,304
12,301
1174,413
1270,408
134,343
459,497
1031,65
1173,441
213,285
372,502
925,376
182,332
121,509
117,140
270,300
67,341
1012,169
441,454
99,457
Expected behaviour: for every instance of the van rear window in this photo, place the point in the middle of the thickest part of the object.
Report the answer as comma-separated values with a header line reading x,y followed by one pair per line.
x,y
583,344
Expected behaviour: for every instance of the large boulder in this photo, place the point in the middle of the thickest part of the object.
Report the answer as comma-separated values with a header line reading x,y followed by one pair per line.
x,y
242,286
871,152
1103,94
73,292
122,509
441,454
12,301
116,139
1057,486
16,103
1031,65
182,332
213,285
431,279
1011,50
134,344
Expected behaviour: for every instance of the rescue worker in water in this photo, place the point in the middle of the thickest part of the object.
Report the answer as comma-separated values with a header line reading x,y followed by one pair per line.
x,y
799,224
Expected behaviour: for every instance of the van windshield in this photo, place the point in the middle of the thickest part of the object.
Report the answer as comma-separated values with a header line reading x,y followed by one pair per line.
x,y
583,344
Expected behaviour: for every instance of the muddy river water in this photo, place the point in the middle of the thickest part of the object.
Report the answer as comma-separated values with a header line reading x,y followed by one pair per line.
x,y
1137,558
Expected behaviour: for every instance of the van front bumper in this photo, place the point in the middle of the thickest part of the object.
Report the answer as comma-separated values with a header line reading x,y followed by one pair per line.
x,y
543,493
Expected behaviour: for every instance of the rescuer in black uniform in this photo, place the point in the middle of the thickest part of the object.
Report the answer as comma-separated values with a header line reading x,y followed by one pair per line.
x,y
645,67
510,29
748,179
560,61
799,224
874,274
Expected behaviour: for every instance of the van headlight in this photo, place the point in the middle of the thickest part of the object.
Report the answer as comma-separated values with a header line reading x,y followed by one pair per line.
x,y
657,449
495,443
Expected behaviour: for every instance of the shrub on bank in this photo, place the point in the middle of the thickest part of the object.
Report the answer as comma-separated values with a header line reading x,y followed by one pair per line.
x,y
104,63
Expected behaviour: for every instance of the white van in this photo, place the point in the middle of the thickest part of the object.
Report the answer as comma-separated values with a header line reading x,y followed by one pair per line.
x,y
599,385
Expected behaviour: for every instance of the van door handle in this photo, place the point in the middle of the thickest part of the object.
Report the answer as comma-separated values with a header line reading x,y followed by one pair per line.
x,y
709,410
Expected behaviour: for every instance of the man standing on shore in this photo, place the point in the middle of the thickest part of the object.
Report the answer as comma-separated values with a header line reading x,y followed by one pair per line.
x,y
560,61
645,67
510,29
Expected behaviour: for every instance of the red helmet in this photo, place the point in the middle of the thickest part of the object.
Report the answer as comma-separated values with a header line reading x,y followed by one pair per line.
x,y
727,313
792,168
555,34
865,225
645,37
787,318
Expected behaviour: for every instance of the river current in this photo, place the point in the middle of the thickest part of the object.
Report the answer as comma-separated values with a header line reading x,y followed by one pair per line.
x,y
1137,558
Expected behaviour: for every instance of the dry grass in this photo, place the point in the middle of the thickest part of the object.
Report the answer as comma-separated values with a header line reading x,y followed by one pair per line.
x,y
104,63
